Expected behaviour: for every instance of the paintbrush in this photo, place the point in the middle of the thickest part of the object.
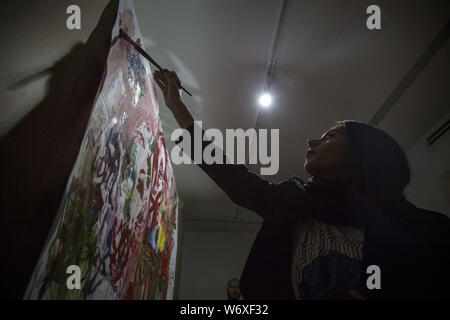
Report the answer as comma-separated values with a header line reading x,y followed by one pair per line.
x,y
146,55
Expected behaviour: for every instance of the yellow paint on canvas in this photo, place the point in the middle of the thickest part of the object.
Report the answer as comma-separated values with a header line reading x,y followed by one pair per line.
x,y
161,238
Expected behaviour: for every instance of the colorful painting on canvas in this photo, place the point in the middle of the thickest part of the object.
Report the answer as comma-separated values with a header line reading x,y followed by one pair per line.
x,y
118,218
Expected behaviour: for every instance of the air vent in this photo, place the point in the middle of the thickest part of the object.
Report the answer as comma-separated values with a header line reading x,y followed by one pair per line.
x,y
438,133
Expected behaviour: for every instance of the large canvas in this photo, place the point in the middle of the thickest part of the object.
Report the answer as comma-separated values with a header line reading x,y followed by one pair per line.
x,y
118,218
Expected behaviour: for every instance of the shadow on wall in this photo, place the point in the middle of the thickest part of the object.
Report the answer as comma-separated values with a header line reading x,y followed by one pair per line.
x,y
39,153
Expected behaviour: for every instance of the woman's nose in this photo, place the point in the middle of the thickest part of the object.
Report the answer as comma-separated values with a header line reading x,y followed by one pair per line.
x,y
311,142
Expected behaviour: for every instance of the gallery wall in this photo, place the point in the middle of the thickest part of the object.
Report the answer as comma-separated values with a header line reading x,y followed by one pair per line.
x,y
430,171
209,260
37,37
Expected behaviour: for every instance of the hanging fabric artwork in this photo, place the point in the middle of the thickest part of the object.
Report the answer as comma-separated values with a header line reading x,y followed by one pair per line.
x,y
116,227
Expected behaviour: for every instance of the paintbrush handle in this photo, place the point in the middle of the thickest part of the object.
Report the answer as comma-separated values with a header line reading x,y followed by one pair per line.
x,y
146,55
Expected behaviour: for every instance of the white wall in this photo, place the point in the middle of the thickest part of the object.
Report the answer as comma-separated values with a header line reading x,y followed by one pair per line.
x,y
209,260
428,164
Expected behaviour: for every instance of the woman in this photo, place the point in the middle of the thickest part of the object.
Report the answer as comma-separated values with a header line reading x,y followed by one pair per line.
x,y
320,239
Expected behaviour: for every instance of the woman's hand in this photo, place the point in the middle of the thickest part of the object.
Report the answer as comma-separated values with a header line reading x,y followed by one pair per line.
x,y
170,84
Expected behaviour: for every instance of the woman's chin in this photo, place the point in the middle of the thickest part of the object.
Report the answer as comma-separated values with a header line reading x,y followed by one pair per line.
x,y
307,166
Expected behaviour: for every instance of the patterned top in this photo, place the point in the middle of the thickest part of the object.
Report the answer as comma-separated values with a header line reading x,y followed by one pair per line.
x,y
325,256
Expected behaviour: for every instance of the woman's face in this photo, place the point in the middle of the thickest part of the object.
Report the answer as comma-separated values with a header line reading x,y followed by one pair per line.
x,y
331,156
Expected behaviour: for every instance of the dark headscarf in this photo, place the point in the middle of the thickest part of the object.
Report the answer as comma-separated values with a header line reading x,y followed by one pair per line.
x,y
384,168
383,175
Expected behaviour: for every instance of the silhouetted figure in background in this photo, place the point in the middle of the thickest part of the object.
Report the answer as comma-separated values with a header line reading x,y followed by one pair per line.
x,y
233,290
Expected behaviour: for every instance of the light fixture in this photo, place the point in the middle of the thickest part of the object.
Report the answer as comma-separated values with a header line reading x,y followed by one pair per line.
x,y
265,100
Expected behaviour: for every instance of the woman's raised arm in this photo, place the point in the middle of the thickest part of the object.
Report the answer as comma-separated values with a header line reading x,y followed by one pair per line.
x,y
243,187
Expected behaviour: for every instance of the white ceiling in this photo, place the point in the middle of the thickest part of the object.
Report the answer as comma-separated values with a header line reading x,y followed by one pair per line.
x,y
330,67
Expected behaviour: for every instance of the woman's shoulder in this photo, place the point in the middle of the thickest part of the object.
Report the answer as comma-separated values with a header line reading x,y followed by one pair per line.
x,y
425,224
289,199
294,189
424,216
293,183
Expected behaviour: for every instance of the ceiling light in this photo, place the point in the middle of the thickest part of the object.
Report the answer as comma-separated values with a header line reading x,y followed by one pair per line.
x,y
265,100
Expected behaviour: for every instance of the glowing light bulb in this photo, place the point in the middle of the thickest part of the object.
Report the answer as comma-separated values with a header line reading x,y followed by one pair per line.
x,y
265,100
